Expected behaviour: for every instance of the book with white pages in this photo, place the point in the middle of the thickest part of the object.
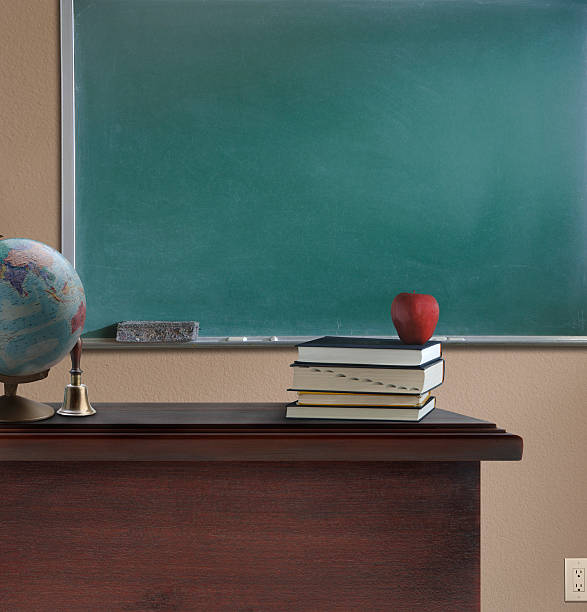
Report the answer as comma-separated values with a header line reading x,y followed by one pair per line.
x,y
323,398
295,411
367,379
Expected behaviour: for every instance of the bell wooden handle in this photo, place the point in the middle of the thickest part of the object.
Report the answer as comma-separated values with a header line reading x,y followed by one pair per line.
x,y
76,358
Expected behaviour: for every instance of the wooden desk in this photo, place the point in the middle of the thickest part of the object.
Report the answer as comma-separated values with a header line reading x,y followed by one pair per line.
x,y
231,507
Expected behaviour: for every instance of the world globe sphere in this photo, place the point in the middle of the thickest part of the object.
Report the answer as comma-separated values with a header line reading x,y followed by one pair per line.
x,y
42,307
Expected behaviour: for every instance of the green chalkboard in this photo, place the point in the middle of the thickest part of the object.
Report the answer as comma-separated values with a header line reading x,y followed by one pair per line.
x,y
287,166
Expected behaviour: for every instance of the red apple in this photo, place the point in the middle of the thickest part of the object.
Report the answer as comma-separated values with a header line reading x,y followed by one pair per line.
x,y
415,316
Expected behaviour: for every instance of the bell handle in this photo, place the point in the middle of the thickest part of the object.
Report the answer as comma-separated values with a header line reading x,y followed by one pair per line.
x,y
76,358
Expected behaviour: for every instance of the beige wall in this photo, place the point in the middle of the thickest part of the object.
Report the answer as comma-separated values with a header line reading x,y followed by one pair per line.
x,y
533,513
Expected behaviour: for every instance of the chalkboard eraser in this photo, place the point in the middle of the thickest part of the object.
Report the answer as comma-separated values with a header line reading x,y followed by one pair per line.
x,y
157,331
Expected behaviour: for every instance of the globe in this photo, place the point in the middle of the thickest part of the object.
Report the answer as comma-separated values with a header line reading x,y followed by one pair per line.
x,y
42,307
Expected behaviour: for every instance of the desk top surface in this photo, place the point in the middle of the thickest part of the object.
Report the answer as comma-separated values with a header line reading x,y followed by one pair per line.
x,y
229,416
250,432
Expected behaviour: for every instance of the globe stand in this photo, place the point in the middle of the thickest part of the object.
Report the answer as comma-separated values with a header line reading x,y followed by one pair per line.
x,y
17,409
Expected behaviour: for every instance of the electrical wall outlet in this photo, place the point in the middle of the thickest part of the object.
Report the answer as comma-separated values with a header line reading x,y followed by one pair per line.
x,y
575,579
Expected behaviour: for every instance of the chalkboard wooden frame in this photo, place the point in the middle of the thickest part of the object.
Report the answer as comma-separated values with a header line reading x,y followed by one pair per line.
x,y
68,234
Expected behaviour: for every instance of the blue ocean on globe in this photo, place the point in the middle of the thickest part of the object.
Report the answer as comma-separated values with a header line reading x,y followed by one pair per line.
x,y
42,307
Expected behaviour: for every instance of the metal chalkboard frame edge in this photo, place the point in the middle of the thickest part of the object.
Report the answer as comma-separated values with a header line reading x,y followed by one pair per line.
x,y
68,241
67,132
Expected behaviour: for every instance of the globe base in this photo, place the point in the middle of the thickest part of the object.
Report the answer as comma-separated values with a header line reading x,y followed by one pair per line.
x,y
17,409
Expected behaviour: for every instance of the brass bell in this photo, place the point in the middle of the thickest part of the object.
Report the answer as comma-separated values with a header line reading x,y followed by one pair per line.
x,y
75,401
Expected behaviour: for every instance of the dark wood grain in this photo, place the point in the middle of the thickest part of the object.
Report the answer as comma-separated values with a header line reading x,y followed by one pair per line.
x,y
231,507
250,432
254,537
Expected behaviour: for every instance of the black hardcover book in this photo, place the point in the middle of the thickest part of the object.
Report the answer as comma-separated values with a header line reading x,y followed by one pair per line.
x,y
368,351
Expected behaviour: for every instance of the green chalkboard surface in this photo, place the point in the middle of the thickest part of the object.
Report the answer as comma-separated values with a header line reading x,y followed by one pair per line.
x,y
287,166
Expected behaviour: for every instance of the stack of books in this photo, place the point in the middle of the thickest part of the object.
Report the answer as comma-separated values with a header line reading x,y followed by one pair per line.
x,y
365,378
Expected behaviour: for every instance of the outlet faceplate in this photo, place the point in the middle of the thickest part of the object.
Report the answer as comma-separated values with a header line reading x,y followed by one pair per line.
x,y
575,570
